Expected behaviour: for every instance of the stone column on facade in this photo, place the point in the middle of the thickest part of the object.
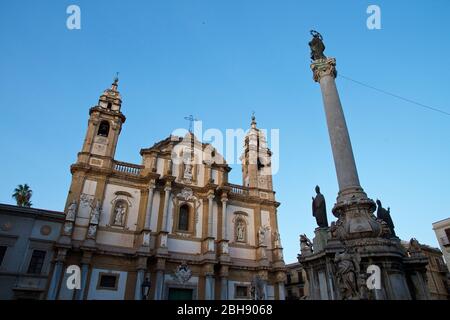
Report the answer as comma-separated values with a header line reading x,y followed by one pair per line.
x,y
210,214
79,295
224,251
167,190
85,264
209,282
264,277
140,274
139,280
159,285
281,293
56,276
281,278
208,173
224,282
148,215
224,217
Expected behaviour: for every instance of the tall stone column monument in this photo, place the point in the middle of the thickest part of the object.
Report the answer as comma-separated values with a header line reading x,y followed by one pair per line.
x,y
357,241
353,208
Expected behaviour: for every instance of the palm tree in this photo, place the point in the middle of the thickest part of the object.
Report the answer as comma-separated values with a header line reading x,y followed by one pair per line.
x,y
23,194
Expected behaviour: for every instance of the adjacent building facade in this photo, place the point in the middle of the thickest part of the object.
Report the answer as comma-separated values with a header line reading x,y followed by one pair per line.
x,y
27,237
442,230
437,272
173,221
296,283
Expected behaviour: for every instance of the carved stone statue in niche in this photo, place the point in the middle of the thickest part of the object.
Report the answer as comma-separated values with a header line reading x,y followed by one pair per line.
x,y
276,239
68,227
187,161
262,235
72,211
119,213
95,213
240,230
92,231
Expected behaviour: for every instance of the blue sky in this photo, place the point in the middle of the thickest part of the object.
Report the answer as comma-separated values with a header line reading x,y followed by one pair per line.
x,y
219,60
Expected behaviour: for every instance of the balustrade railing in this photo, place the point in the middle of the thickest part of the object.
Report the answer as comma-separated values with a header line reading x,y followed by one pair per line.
x,y
127,168
237,189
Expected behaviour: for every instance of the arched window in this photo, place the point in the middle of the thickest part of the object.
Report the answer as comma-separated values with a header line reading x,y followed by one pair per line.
x,y
183,218
109,106
103,129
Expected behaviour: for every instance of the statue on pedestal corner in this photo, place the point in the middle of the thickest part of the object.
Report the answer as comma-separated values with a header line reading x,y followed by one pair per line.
x,y
306,246
319,209
385,215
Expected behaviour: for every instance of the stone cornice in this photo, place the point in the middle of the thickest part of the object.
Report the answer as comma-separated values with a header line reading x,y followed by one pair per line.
x,y
108,112
32,212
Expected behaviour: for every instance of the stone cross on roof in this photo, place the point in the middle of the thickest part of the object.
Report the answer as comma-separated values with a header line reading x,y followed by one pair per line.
x,y
191,120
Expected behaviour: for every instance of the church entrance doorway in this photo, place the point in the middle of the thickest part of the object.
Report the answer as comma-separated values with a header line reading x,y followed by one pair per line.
x,y
180,294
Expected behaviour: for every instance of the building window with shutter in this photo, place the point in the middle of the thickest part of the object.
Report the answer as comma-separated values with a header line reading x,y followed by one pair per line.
x,y
36,262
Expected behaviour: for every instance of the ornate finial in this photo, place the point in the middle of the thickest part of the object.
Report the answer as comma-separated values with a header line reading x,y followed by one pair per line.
x,y
253,120
317,46
116,78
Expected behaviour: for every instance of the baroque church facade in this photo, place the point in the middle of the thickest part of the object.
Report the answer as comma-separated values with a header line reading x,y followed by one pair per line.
x,y
172,227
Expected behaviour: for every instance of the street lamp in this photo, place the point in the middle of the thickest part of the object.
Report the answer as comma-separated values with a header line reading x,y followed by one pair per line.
x,y
145,288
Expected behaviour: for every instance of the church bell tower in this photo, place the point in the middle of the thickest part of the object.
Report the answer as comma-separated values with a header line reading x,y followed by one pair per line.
x,y
256,160
104,125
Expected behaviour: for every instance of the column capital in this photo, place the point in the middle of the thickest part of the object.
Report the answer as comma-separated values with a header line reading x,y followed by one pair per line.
x,y
224,271
160,264
224,197
208,269
87,257
141,263
324,67
210,195
61,255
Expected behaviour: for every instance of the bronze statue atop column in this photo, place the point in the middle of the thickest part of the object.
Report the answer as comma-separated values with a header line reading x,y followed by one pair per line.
x,y
317,46
319,209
